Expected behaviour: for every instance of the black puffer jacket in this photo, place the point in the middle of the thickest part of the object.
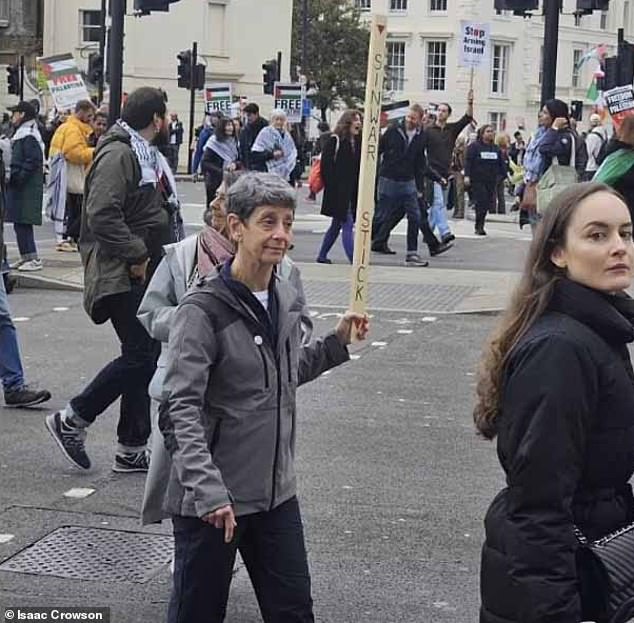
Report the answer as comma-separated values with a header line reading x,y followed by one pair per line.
x,y
566,443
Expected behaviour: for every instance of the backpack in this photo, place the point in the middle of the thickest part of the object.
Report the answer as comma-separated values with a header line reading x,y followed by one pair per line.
x,y
603,150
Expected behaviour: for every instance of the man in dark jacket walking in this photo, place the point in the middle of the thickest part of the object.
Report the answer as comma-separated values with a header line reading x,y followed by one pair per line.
x,y
124,226
249,133
442,138
401,175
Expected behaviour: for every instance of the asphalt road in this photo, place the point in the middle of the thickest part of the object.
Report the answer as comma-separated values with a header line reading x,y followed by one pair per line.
x,y
393,481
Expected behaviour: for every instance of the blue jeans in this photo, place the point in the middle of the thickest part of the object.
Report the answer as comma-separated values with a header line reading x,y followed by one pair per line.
x,y
11,371
26,241
271,544
438,212
395,196
347,237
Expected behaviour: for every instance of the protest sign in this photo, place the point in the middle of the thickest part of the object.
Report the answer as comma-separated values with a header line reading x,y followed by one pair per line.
x,y
369,158
64,80
475,44
620,103
289,97
218,98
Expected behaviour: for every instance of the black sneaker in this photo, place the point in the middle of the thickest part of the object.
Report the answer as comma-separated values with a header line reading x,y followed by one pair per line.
x,y
129,462
26,397
448,238
69,439
413,259
382,248
441,248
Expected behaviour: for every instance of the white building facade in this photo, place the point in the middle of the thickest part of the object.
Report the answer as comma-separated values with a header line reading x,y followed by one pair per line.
x,y
235,37
423,46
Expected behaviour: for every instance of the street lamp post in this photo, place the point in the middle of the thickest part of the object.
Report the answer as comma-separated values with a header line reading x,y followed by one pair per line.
x,y
549,60
115,58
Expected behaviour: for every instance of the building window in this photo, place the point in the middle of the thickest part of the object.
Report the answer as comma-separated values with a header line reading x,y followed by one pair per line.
x,y
578,17
4,12
398,6
436,65
363,5
438,5
604,20
541,64
90,22
396,65
576,57
498,121
500,69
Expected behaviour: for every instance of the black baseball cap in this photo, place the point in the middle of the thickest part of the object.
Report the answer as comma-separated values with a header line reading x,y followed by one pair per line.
x,y
25,107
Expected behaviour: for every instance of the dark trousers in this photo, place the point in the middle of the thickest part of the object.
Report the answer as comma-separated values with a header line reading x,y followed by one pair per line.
x,y
387,226
127,376
272,546
396,197
485,197
172,157
26,241
72,218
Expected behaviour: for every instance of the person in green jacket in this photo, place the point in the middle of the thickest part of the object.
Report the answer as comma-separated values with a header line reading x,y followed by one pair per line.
x,y
26,184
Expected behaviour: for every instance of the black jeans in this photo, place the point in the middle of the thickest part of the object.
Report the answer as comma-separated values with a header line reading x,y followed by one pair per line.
x,y
386,227
72,218
127,376
272,546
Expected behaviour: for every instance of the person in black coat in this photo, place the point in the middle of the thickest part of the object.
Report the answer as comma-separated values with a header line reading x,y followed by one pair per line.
x,y
340,161
484,168
221,153
557,390
249,133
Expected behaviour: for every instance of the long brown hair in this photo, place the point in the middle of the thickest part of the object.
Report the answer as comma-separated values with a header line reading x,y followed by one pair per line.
x,y
529,301
348,117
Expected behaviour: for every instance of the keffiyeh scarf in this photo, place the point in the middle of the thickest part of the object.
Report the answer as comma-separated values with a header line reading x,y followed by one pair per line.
x,y
146,154
227,149
268,140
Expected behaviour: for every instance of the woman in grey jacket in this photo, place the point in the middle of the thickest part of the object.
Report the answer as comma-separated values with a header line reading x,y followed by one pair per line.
x,y
184,263
228,417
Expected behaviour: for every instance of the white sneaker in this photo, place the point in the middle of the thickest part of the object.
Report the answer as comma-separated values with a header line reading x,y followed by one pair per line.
x,y
31,266
15,265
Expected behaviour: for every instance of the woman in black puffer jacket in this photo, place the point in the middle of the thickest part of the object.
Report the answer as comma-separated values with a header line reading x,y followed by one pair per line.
x,y
557,390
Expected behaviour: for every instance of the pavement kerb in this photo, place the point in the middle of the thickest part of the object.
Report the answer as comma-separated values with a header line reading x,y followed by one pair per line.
x,y
45,283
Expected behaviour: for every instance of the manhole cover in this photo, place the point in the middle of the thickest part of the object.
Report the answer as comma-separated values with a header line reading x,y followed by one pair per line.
x,y
95,554
391,296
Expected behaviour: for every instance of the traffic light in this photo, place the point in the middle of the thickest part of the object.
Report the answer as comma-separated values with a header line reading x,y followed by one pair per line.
x,y
144,7
585,7
610,79
13,79
184,69
519,7
270,76
199,76
625,65
95,68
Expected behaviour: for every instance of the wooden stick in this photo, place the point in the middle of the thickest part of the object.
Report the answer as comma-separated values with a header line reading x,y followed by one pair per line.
x,y
471,75
369,161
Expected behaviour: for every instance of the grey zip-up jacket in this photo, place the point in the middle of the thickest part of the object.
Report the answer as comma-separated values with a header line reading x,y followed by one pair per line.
x,y
228,415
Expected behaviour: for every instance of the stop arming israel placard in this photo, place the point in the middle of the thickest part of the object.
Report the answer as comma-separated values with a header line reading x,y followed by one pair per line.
x,y
218,98
475,44
289,97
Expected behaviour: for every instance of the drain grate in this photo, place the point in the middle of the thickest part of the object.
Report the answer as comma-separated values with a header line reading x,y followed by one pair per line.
x,y
95,554
391,296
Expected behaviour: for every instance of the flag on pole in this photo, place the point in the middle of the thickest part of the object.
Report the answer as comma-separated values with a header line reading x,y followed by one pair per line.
x,y
598,54
593,91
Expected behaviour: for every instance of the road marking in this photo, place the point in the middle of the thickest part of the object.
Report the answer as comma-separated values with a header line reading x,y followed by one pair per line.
x,y
60,309
79,492
21,319
355,357
379,344
428,319
405,331
5,538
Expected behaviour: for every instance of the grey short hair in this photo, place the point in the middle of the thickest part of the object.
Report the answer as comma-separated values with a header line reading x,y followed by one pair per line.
x,y
253,190
278,113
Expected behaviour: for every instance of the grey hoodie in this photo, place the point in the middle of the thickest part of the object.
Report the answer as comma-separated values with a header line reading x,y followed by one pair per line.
x,y
228,414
